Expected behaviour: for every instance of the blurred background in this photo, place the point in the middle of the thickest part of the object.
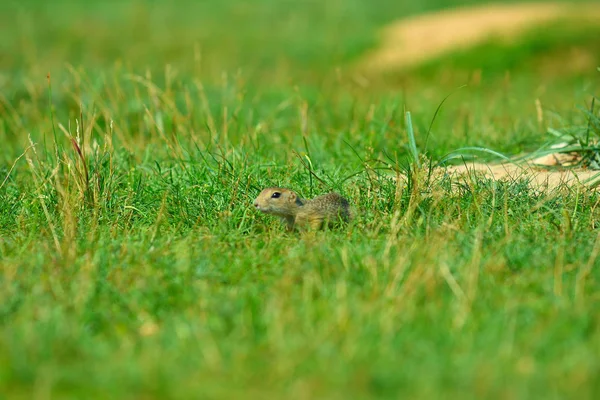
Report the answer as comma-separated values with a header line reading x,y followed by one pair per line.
x,y
272,41
277,50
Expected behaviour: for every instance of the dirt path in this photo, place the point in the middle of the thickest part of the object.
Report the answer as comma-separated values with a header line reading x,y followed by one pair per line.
x,y
414,40
538,177
418,39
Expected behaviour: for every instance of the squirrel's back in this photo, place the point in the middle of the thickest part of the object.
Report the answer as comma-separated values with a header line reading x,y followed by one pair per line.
x,y
331,206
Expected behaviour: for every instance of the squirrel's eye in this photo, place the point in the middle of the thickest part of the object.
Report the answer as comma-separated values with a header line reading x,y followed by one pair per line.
x,y
275,195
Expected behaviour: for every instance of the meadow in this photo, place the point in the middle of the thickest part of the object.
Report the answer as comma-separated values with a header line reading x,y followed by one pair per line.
x,y
136,134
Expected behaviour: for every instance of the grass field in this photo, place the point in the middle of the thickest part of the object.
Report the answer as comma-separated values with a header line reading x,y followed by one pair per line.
x,y
133,265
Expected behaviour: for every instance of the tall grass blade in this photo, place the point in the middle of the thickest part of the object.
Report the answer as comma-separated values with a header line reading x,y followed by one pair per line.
x,y
411,140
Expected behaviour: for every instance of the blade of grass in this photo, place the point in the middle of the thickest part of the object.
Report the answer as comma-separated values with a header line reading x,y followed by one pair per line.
x,y
462,152
411,140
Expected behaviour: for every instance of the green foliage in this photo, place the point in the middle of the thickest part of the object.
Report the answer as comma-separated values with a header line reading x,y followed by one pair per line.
x,y
132,262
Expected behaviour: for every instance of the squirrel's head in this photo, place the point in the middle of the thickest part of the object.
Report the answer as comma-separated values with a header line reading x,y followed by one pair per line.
x,y
277,201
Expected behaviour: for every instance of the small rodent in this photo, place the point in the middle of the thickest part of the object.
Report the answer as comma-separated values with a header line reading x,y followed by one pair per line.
x,y
324,210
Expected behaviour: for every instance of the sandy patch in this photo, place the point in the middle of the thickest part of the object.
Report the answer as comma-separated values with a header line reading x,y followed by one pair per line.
x,y
414,40
538,177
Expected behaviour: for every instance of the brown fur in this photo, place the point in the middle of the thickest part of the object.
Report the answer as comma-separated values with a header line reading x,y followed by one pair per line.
x,y
325,210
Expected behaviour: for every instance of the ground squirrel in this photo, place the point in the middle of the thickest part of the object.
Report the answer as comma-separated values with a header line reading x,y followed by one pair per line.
x,y
325,210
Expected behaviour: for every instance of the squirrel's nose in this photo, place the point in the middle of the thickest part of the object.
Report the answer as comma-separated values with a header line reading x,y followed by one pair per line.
x,y
256,204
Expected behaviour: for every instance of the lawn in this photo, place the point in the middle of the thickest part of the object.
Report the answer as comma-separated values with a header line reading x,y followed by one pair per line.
x,y
136,134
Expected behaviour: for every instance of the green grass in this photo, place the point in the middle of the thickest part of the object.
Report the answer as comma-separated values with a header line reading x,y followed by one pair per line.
x,y
133,265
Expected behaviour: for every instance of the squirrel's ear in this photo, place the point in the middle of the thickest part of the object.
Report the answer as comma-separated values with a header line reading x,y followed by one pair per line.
x,y
292,197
